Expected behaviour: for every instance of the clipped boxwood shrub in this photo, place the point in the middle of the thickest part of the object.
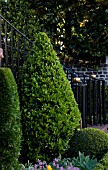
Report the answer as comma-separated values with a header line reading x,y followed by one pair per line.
x,y
49,111
10,126
91,141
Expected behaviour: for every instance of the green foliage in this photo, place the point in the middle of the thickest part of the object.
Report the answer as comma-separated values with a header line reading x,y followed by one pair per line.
x,y
103,163
89,141
99,167
49,111
10,127
20,15
80,25
84,162
27,166
64,164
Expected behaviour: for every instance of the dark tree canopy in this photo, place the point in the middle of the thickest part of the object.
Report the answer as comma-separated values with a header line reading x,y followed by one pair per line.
x,y
80,27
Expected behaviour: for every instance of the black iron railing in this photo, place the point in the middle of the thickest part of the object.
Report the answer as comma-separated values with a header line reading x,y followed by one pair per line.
x,y
90,96
15,46
69,74
89,92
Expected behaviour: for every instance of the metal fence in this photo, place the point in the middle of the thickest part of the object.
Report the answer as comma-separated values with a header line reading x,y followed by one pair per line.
x,y
15,45
89,93
90,96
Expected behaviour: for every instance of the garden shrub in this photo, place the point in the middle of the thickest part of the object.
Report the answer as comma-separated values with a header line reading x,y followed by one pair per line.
x,y
49,111
99,167
91,141
10,126
103,163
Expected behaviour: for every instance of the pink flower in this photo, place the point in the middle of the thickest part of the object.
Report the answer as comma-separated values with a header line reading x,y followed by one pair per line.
x,y
56,160
61,168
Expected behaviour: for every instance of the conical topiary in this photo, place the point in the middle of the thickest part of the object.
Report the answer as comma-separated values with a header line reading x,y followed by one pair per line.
x,y
49,111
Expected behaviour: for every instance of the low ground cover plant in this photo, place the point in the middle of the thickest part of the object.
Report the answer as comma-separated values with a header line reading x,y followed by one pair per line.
x,y
79,163
84,162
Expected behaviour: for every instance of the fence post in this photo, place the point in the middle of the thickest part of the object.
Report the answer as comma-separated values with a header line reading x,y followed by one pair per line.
x,y
95,103
80,96
89,102
100,101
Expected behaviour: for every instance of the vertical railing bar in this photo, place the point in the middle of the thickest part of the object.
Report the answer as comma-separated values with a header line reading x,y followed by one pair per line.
x,y
71,80
12,56
86,104
18,58
67,74
5,41
100,101
83,108
80,96
75,91
24,57
77,94
94,101
97,106
90,99
103,102
30,45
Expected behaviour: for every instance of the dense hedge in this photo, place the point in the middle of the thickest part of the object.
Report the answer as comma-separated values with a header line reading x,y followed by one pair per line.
x,y
49,111
10,127
91,141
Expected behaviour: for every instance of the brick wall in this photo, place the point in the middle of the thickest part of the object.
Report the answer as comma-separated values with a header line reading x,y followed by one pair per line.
x,y
101,72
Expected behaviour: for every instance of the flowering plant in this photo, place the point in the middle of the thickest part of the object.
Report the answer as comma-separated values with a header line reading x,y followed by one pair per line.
x,y
57,164
81,162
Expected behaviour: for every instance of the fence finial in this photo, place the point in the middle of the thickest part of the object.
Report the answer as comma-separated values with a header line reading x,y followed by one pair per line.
x,y
93,76
77,80
1,55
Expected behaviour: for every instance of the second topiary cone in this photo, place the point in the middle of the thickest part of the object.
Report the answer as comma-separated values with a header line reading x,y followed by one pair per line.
x,y
49,111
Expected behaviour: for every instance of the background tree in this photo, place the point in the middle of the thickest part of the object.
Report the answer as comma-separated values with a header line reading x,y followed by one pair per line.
x,y
80,26
20,14
78,29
